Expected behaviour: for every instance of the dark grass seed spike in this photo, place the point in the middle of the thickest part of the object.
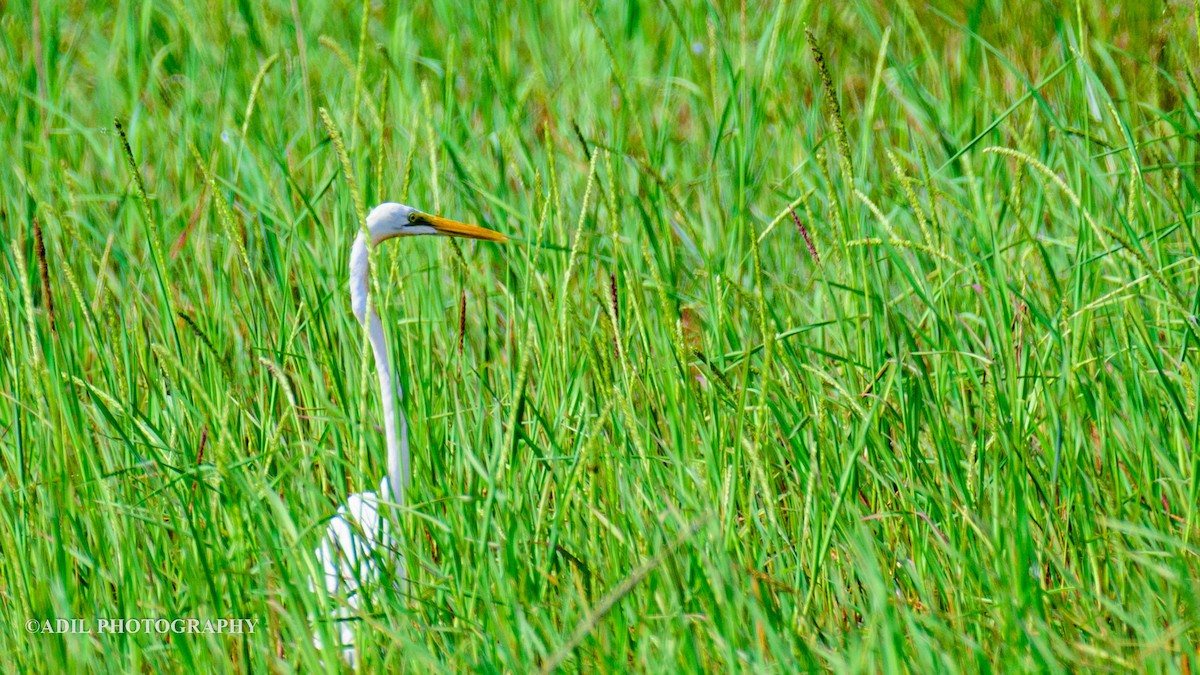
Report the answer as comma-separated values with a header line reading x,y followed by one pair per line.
x,y
812,249
199,457
612,285
44,272
616,312
462,323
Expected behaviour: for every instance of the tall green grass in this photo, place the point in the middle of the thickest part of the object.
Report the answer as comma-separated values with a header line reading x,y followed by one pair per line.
x,y
655,432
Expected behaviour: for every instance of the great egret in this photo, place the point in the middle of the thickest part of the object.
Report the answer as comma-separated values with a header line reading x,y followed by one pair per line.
x,y
358,538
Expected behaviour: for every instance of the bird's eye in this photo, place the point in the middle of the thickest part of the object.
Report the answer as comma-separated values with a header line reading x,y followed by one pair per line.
x,y
412,217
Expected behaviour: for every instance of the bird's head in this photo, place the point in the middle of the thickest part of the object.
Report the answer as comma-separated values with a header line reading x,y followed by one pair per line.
x,y
390,219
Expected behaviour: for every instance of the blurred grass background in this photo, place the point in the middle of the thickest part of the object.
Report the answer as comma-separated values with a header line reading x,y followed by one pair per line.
x,y
943,420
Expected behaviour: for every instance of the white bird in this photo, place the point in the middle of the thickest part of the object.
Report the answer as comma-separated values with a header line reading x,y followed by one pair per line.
x,y
358,540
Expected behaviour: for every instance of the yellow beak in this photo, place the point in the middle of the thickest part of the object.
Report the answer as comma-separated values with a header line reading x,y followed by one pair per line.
x,y
453,228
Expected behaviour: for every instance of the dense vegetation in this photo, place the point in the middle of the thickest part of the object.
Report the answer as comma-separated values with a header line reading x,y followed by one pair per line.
x,y
868,348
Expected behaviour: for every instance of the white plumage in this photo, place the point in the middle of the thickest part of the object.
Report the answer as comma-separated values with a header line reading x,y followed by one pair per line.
x,y
358,552
357,543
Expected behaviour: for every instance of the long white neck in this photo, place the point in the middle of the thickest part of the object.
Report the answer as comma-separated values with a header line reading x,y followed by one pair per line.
x,y
394,423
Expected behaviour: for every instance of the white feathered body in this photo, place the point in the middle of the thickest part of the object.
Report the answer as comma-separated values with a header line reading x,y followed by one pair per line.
x,y
358,551
357,555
